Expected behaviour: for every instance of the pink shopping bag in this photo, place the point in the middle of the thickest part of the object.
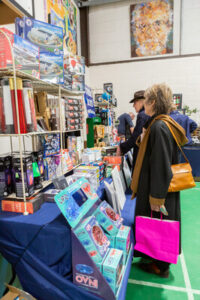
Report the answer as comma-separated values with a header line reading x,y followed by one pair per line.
x,y
158,238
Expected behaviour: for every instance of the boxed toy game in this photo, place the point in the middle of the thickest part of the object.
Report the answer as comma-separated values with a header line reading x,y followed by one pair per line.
x,y
111,238
76,200
48,37
26,54
51,67
108,218
123,240
92,237
112,268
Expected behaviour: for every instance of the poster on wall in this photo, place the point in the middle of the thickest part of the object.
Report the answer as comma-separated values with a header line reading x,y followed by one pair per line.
x,y
151,26
71,27
63,13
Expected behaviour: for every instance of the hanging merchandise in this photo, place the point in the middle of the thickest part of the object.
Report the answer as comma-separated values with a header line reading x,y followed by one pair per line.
x,y
6,110
29,106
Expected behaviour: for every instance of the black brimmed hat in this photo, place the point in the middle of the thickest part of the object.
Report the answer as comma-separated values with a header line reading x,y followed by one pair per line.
x,y
137,96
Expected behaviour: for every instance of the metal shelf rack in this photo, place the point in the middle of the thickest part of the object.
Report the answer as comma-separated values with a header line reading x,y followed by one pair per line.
x,y
38,85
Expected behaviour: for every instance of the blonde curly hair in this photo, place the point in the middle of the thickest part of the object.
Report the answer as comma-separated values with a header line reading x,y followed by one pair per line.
x,y
162,95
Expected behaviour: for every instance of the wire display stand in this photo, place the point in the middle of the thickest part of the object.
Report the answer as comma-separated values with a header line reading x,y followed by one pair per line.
x,y
38,85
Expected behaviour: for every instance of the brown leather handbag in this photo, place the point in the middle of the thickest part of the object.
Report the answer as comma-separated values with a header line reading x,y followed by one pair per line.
x,y
182,173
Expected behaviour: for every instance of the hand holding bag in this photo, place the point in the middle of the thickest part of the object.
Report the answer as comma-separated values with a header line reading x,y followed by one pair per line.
x,y
158,238
182,173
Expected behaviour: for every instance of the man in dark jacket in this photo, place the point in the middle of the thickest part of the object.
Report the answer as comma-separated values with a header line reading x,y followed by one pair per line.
x,y
142,118
125,126
188,124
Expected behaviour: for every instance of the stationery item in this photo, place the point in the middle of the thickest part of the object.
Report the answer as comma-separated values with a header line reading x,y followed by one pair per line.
x,y
158,238
118,188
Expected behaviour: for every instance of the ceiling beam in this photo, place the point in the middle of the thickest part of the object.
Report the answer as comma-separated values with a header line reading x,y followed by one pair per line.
x,y
95,2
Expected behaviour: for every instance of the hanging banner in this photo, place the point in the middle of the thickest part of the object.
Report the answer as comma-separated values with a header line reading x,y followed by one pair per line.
x,y
89,102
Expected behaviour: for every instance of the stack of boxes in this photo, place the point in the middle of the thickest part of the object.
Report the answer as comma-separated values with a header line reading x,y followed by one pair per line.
x,y
74,73
73,110
92,173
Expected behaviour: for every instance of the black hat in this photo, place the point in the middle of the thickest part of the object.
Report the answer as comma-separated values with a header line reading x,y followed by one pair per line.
x,y
137,96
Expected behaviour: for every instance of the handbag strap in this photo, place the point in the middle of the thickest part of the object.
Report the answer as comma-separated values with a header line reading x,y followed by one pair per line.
x,y
161,215
176,140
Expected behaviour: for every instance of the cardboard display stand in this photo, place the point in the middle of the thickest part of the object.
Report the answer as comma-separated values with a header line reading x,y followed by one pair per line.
x,y
77,202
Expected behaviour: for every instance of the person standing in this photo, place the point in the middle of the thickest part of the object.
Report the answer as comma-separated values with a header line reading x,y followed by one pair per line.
x,y
125,126
188,124
142,118
152,173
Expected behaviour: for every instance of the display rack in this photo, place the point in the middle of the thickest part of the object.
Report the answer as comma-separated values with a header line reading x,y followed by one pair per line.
x,y
49,88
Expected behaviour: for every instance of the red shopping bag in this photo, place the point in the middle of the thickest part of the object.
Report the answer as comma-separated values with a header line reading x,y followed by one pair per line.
x,y
158,238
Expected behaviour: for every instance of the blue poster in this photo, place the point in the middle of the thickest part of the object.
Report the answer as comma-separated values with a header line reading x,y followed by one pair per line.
x,y
89,102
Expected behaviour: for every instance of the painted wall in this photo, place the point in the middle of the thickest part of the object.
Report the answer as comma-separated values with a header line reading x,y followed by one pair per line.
x,y
110,41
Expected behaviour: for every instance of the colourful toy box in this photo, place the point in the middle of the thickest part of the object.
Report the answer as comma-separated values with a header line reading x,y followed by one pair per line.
x,y
92,237
111,238
108,218
73,203
112,268
26,55
123,240
51,67
48,37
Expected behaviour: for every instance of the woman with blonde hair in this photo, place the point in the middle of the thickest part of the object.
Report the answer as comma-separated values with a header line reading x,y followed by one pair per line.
x,y
152,174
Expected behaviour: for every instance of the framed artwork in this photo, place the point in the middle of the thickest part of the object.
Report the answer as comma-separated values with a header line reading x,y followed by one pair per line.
x,y
151,26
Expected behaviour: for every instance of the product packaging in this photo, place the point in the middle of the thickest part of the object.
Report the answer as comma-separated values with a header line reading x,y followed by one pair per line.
x,y
32,205
112,268
6,187
51,67
48,37
123,241
49,195
28,175
109,220
6,110
26,55
51,144
92,237
29,106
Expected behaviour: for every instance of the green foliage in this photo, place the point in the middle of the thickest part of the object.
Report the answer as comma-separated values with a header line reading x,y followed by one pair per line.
x,y
189,111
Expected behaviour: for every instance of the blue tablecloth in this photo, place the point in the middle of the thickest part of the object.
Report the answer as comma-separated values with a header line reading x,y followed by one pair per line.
x,y
39,248
193,155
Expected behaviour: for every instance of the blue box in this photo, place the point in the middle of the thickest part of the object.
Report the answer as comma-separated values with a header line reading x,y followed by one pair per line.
x,y
108,218
48,37
112,268
123,240
92,237
51,67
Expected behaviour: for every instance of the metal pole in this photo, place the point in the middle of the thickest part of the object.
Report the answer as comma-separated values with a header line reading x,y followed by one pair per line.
x,y
61,128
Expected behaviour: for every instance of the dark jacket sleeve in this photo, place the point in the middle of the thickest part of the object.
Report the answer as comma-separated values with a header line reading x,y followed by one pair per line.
x,y
131,142
161,143
192,125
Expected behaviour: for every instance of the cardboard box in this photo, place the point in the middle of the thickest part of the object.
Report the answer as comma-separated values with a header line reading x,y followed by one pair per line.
x,y
48,37
112,268
108,218
123,241
49,195
51,67
92,237
26,54
17,294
